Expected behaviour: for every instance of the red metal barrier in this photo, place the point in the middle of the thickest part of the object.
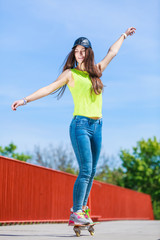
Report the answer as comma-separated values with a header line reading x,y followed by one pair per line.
x,y
29,193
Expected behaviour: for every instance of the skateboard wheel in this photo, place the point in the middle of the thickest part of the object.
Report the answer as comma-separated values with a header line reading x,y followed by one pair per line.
x,y
91,230
77,231
77,234
92,233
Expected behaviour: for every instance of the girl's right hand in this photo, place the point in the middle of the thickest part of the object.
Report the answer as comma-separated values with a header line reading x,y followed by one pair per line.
x,y
17,104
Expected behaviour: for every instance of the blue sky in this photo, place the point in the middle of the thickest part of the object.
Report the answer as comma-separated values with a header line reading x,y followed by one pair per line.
x,y
36,36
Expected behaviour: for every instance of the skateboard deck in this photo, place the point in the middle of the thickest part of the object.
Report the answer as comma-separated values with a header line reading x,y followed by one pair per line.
x,y
78,227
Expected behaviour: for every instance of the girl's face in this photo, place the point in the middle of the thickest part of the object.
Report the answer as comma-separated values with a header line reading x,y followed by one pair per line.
x,y
79,53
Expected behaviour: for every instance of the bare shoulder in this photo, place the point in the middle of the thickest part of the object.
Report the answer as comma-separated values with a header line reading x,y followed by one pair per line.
x,y
67,74
67,71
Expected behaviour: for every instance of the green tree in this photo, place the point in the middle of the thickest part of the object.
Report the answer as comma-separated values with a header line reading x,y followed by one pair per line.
x,y
139,170
9,151
142,170
142,167
109,170
107,175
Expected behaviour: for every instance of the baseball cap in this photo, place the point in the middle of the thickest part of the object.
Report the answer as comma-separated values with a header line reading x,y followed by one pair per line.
x,y
83,41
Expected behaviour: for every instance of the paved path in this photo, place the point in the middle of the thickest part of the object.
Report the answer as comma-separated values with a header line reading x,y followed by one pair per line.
x,y
110,230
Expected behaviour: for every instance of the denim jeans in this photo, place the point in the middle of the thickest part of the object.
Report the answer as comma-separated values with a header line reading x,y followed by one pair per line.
x,y
86,139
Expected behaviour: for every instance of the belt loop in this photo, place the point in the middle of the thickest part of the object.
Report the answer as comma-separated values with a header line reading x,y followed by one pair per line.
x,y
75,117
100,120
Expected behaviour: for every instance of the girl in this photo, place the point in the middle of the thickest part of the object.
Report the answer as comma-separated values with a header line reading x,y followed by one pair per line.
x,y
82,76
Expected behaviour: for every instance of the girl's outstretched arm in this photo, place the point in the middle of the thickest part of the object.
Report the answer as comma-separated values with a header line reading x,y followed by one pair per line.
x,y
42,92
113,50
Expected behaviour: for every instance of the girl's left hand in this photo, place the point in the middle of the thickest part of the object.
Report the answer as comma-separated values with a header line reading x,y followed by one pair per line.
x,y
130,31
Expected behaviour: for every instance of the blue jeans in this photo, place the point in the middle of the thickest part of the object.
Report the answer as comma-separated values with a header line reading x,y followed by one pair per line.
x,y
86,139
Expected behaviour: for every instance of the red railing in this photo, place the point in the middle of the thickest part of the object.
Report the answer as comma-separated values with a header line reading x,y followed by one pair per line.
x,y
30,193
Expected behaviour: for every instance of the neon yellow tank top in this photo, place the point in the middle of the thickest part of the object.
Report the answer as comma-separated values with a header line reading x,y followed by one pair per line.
x,y
85,104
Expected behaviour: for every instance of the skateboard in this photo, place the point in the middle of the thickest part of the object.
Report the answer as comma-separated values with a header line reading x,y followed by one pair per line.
x,y
78,227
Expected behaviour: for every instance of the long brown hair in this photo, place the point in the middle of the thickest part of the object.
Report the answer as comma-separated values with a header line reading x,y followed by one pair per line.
x,y
94,72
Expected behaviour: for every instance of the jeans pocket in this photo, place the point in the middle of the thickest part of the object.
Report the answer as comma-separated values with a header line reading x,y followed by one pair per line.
x,y
81,122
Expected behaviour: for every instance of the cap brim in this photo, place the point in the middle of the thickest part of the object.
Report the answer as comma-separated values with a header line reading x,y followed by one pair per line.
x,y
86,46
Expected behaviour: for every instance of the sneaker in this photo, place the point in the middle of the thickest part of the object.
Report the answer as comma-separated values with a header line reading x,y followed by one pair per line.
x,y
86,214
78,218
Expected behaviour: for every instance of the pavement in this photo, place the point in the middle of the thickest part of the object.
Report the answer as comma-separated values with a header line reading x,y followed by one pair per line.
x,y
110,230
